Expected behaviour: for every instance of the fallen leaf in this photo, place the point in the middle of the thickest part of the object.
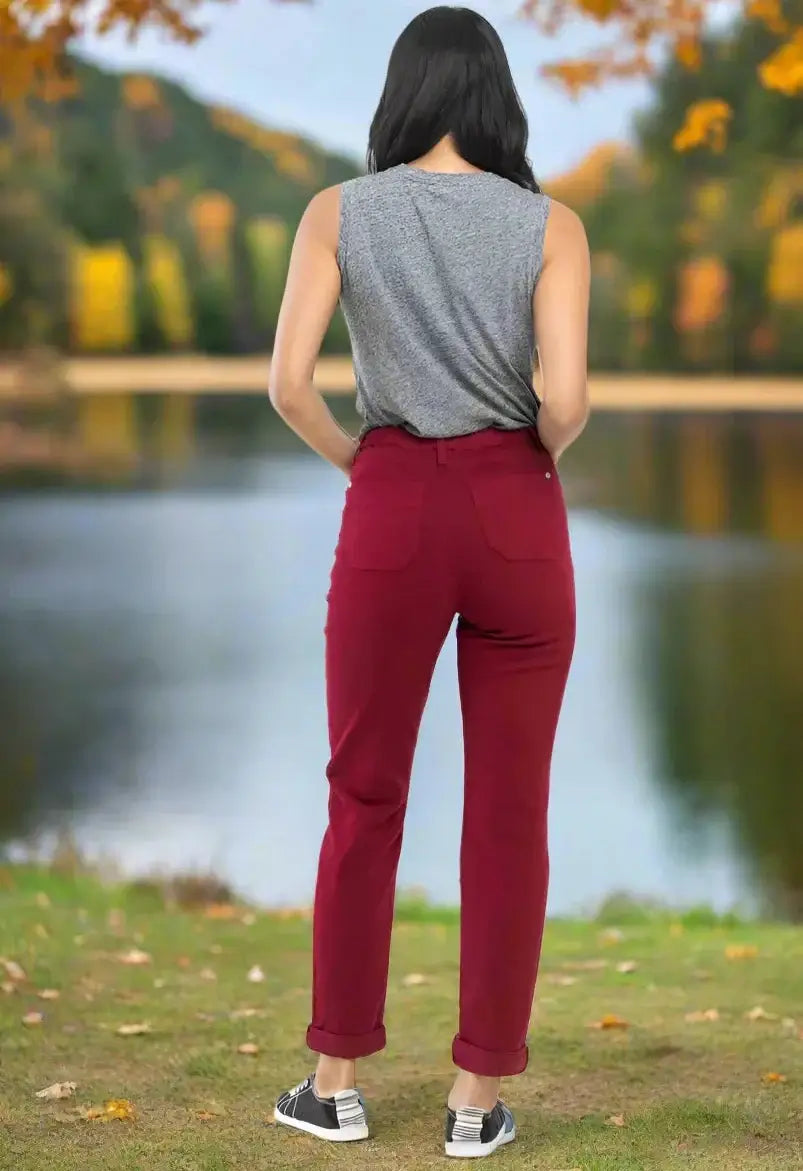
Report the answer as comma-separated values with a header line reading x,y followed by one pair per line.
x,y
49,994
207,974
135,957
248,1048
414,980
610,1021
134,1030
241,1013
43,901
740,951
626,967
759,1014
255,975
584,965
610,936
56,1091
562,981
116,1108
8,987
707,1014
773,1078
184,961
205,1115
14,971
32,1019
616,1120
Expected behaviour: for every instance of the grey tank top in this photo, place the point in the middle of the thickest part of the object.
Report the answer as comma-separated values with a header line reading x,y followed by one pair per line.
x,y
437,278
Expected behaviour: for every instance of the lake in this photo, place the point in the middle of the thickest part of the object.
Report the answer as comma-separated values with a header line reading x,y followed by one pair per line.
x,y
161,658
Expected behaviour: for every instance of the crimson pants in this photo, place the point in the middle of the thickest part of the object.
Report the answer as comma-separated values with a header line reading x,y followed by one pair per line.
x,y
473,526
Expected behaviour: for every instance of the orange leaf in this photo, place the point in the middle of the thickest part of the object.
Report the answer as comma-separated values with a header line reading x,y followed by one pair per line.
x,y
31,1019
248,1049
610,1021
119,1109
741,951
773,1078
616,1120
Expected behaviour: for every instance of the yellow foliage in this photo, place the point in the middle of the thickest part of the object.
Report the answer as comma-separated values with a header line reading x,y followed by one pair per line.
x,y
141,93
295,164
785,270
212,216
165,277
688,52
705,124
641,298
600,10
770,13
6,284
711,199
785,186
102,297
784,69
285,149
575,75
702,290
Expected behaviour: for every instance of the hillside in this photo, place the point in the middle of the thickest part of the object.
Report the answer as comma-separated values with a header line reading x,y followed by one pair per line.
x,y
134,192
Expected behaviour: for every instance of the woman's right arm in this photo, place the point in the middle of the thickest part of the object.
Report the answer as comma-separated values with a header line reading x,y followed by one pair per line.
x,y
560,313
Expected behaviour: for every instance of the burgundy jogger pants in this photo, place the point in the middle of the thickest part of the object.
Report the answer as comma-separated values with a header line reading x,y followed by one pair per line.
x,y
433,528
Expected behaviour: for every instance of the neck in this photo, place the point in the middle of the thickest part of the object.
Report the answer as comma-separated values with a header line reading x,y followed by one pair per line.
x,y
444,157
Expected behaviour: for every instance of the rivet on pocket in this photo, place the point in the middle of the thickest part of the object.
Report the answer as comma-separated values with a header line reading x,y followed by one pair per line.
x,y
548,475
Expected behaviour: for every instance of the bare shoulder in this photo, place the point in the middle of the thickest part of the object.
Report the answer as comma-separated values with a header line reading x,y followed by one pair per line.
x,y
565,232
322,214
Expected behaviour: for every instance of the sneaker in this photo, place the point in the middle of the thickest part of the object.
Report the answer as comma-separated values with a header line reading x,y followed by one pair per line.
x,y
472,1132
340,1119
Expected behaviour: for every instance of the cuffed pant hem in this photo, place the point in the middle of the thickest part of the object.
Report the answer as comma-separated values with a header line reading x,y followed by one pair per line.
x,y
348,1046
488,1062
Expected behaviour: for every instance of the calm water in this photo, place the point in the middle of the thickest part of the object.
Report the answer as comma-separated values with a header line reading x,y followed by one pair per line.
x,y
161,649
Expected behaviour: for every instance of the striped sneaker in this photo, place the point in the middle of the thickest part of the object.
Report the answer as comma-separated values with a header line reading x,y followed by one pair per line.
x,y
472,1132
340,1119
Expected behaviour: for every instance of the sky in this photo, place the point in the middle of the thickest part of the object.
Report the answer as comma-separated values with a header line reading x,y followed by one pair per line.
x,y
318,69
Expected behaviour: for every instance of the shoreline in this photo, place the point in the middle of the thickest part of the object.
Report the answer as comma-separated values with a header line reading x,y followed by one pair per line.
x,y
195,374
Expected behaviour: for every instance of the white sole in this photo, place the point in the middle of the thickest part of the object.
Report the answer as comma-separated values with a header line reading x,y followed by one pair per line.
x,y
469,1150
349,1134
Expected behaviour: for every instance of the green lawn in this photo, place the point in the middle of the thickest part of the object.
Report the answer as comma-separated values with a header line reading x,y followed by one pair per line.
x,y
691,1094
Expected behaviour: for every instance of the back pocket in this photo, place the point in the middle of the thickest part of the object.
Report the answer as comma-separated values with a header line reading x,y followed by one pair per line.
x,y
381,527
522,515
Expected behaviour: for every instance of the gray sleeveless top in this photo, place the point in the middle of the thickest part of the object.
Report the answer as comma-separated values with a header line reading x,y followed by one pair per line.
x,y
437,278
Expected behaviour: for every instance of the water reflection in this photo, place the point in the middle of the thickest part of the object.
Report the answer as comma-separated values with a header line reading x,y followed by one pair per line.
x,y
160,651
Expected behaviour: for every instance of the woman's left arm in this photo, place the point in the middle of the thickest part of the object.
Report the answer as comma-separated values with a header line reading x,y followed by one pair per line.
x,y
310,299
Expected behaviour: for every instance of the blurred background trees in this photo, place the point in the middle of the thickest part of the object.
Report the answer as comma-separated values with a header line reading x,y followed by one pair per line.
x,y
185,240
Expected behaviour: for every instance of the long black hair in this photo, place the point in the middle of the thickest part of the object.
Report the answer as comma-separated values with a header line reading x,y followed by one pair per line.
x,y
448,71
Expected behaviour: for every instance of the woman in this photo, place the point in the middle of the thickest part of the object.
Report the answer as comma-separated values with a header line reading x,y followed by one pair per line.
x,y
448,263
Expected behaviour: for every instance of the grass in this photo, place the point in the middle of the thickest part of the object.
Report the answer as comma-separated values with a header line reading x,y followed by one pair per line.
x,y
691,1095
